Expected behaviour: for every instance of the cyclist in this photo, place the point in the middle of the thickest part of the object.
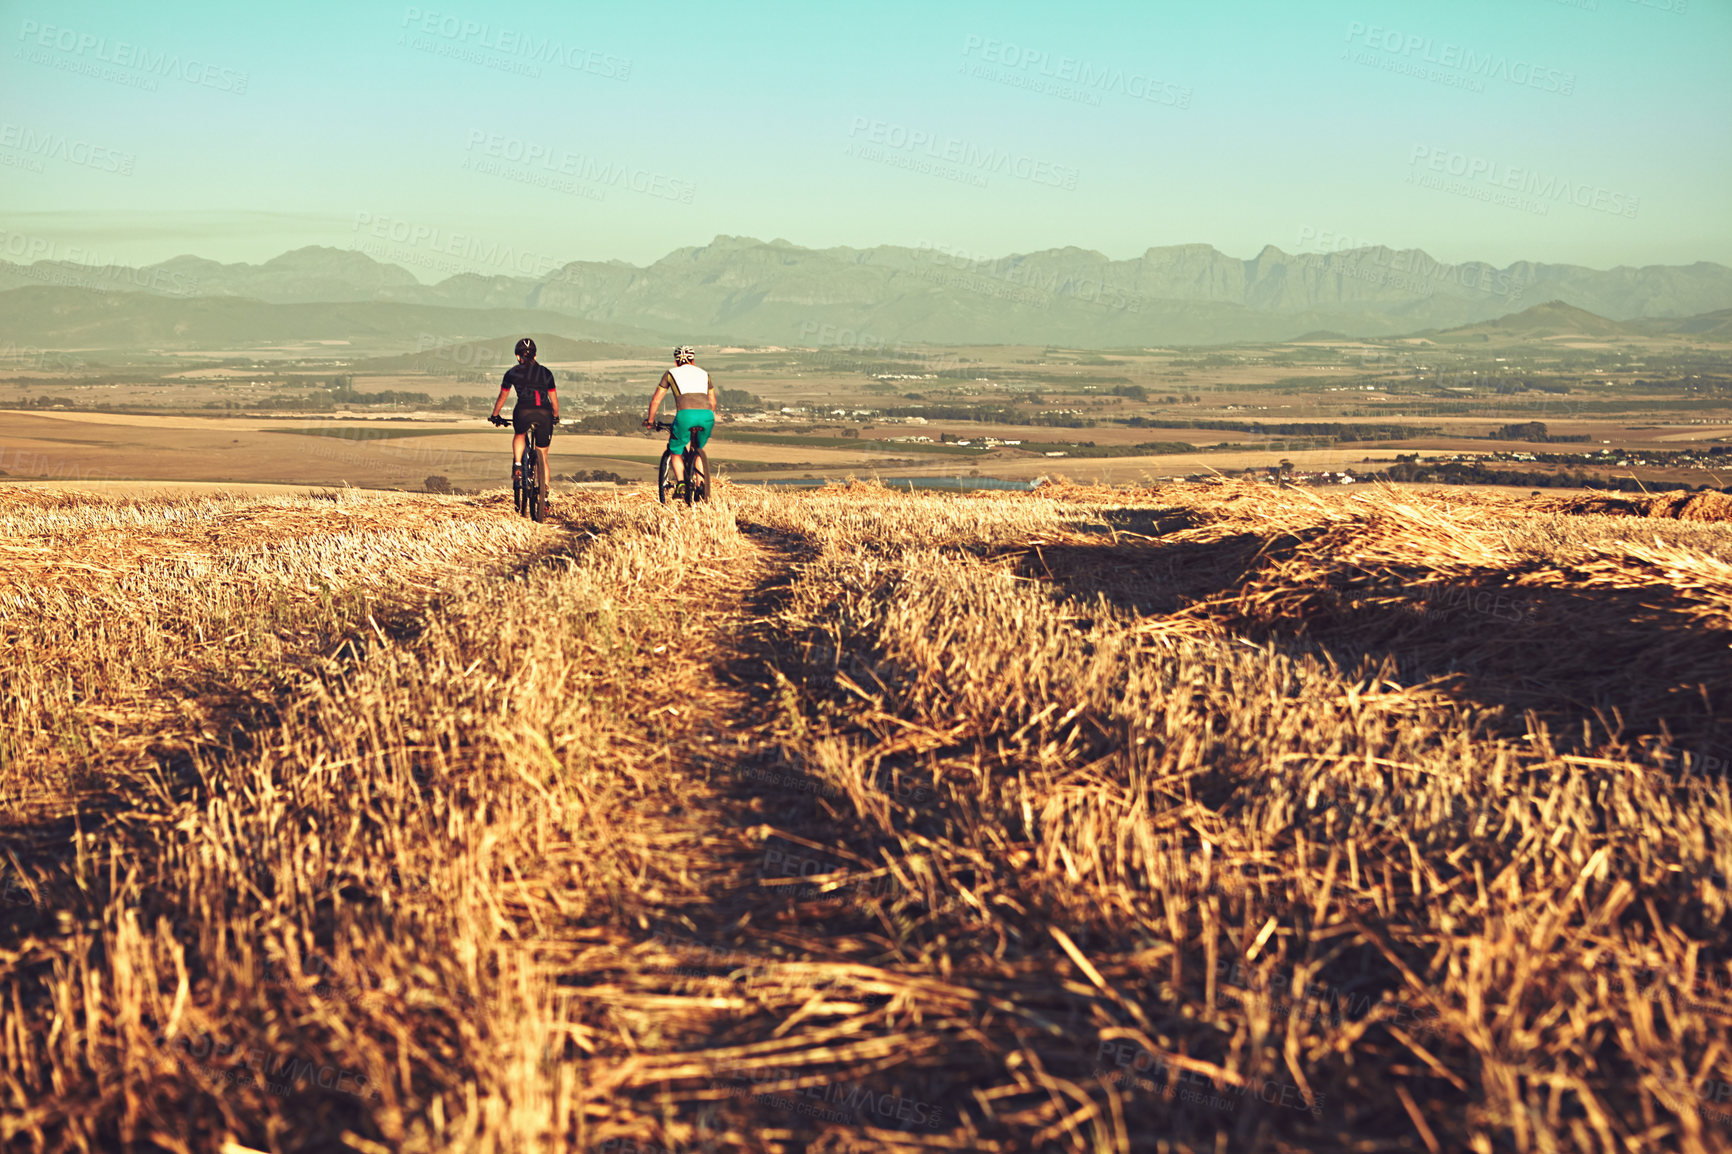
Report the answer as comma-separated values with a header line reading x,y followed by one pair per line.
x,y
537,407
695,395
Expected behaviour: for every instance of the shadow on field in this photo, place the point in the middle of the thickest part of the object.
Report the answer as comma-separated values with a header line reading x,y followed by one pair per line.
x,y
1146,579
1143,522
1636,665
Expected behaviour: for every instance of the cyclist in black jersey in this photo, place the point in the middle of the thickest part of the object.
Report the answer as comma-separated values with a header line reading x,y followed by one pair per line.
x,y
537,408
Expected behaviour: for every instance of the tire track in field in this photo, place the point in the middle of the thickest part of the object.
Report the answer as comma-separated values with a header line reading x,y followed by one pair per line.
x,y
820,1015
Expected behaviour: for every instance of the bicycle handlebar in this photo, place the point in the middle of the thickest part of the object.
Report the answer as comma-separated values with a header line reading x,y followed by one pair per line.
x,y
503,423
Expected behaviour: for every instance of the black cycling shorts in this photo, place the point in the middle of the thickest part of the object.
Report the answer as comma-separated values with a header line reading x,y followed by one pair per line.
x,y
540,420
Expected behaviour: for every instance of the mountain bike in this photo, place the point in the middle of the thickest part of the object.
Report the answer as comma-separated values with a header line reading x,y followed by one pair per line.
x,y
694,463
529,483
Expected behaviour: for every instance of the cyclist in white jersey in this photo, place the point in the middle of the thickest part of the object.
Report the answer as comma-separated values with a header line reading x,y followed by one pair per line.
x,y
695,395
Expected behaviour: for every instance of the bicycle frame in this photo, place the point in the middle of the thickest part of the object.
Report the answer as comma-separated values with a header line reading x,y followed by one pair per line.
x,y
690,461
529,487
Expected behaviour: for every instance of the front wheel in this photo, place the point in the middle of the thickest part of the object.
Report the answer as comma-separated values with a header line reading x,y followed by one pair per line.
x,y
665,477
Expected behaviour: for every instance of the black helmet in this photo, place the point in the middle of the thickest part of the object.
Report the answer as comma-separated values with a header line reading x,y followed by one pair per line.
x,y
525,345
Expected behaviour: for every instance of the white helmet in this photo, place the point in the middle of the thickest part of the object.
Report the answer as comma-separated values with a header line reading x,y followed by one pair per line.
x,y
685,355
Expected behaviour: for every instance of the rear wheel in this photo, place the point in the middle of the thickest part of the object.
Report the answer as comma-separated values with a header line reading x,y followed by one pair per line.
x,y
689,489
535,484
702,474
665,477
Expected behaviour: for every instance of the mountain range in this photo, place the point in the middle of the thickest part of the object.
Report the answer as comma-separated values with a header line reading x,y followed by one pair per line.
x,y
773,292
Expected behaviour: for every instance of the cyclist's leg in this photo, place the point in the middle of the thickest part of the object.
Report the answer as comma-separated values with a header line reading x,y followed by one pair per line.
x,y
543,436
522,420
677,438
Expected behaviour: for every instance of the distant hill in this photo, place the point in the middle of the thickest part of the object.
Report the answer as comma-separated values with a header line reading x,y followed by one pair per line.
x,y
305,275
742,289
79,318
1552,319
1557,319
1714,326
499,353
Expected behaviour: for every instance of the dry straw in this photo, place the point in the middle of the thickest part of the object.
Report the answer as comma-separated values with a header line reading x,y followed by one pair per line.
x,y
1198,818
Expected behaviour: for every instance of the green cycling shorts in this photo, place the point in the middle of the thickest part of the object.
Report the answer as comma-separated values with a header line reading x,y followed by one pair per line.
x,y
691,423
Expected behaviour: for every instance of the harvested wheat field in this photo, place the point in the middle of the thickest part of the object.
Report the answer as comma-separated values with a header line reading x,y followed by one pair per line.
x,y
1196,818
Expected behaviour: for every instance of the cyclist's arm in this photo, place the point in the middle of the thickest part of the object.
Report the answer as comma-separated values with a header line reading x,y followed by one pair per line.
x,y
499,402
715,409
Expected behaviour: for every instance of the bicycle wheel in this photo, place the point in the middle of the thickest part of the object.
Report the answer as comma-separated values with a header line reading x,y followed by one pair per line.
x,y
539,494
665,477
688,490
702,461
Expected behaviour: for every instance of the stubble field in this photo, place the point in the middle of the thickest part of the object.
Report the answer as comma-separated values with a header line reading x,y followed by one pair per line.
x,y
1200,817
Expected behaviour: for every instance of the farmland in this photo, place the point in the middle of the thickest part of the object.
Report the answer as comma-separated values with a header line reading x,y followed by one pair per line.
x,y
1531,408
1178,817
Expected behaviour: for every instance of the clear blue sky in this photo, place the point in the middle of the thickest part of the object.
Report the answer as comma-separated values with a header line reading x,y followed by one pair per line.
x,y
1590,131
